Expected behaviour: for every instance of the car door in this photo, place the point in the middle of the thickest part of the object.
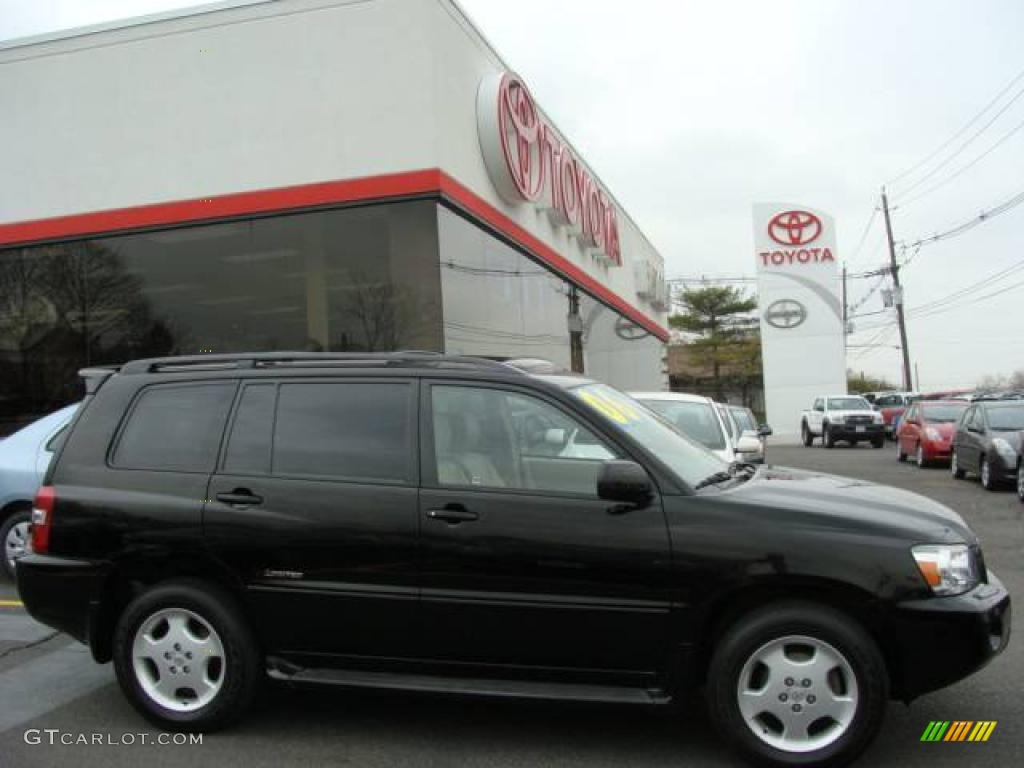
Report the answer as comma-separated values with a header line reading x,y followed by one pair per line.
x,y
522,566
968,452
817,415
313,507
910,430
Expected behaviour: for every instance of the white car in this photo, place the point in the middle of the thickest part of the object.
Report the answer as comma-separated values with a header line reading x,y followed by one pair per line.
x,y
699,418
741,422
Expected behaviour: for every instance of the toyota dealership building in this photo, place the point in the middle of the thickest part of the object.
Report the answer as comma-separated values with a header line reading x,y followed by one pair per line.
x,y
301,174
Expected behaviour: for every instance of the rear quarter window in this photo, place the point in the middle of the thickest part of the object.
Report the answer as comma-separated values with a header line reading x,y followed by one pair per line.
x,y
174,428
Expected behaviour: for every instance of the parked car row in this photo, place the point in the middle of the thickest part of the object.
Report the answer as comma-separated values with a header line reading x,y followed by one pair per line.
x,y
983,437
729,431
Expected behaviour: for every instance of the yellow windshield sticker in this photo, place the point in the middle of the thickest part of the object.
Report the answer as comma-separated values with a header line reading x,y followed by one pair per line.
x,y
618,411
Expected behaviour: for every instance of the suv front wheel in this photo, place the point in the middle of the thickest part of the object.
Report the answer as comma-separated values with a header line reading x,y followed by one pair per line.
x,y
185,657
797,684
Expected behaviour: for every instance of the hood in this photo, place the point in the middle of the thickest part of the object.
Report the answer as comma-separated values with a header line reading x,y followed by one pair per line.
x,y
1015,439
945,428
845,502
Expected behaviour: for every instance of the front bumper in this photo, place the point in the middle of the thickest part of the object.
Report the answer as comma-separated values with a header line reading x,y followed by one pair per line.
x,y
855,431
937,641
63,593
937,450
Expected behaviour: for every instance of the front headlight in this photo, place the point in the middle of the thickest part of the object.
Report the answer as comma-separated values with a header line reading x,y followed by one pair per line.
x,y
932,434
949,569
837,419
878,418
1006,451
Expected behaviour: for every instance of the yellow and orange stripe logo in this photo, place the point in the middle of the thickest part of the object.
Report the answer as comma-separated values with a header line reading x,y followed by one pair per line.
x,y
958,730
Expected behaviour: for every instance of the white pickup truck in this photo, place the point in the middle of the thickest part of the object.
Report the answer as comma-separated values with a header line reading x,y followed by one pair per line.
x,y
842,417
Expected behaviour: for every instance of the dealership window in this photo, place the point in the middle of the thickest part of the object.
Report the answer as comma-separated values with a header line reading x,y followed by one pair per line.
x,y
353,279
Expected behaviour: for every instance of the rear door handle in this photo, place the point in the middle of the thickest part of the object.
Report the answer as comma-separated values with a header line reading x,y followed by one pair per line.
x,y
453,514
240,497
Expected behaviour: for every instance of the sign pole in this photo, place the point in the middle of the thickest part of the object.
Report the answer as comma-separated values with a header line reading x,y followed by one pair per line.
x,y
908,382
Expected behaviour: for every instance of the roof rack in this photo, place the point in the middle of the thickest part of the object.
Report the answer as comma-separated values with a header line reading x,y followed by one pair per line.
x,y
311,359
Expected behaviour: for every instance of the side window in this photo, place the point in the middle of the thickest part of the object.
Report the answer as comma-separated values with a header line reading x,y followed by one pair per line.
x,y
248,448
175,428
819,405
492,438
357,431
969,417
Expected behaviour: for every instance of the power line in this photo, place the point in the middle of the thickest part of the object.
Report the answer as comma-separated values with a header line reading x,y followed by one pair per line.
x,y
961,170
864,235
981,218
960,132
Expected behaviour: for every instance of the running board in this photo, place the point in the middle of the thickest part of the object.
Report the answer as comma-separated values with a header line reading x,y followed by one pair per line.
x,y
520,689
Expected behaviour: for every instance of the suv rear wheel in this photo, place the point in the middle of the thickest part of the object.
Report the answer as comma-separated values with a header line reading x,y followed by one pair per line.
x,y
806,434
185,657
797,684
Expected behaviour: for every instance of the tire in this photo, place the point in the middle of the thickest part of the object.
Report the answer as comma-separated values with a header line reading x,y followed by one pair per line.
x,y
14,536
805,433
954,466
860,702
919,457
191,605
1020,480
985,474
900,455
826,437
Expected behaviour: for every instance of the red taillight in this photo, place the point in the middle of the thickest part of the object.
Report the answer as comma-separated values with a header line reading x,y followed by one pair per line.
x,y
42,518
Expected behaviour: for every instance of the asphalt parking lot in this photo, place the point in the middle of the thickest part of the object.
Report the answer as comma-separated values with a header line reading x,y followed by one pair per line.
x,y
49,682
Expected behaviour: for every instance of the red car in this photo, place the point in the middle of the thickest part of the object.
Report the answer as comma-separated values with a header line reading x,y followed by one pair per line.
x,y
926,430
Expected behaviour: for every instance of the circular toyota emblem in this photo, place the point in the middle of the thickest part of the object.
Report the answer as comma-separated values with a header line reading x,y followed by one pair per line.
x,y
519,128
794,228
785,313
627,330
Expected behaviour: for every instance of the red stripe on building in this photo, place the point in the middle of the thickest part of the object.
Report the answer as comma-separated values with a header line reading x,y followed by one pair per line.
x,y
305,196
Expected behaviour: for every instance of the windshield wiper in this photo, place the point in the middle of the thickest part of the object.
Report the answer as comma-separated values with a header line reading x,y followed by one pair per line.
x,y
713,479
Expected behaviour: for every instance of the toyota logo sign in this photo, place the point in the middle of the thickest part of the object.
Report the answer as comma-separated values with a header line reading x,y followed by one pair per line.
x,y
785,314
529,162
794,228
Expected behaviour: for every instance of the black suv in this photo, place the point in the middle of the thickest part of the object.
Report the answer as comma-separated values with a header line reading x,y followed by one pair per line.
x,y
988,442
452,524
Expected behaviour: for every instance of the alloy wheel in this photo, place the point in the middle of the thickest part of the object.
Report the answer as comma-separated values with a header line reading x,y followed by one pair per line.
x,y
797,694
986,474
16,543
1020,482
919,456
178,659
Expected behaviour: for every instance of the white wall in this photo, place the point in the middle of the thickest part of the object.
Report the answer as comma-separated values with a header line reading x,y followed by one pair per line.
x,y
257,97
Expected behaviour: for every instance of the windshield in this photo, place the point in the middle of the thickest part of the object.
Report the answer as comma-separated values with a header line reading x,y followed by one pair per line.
x,y
696,420
690,460
943,414
1006,418
744,419
848,404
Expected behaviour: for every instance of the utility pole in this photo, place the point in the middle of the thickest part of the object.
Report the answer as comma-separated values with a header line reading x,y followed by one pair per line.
x,y
575,331
908,382
845,311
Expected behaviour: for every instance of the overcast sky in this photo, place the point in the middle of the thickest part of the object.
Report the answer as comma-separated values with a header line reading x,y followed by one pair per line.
x,y
690,111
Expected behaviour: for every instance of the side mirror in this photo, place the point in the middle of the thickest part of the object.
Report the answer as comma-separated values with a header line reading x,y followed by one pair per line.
x,y
748,443
624,481
764,431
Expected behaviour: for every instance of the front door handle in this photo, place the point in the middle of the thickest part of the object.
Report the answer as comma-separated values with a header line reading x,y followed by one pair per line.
x,y
240,497
453,514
